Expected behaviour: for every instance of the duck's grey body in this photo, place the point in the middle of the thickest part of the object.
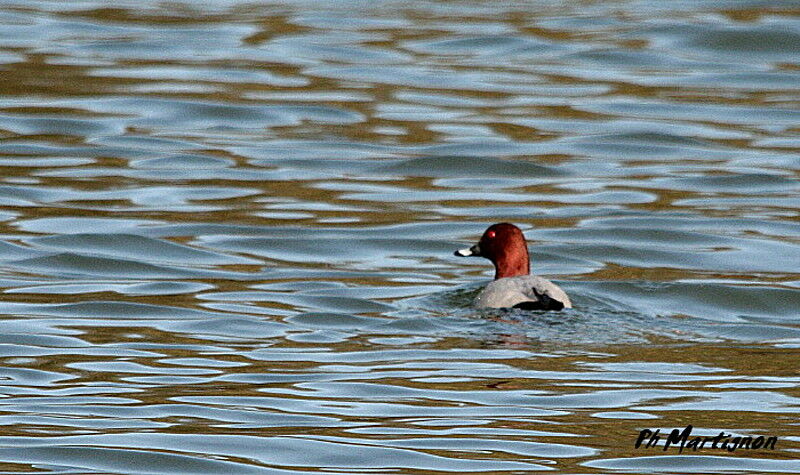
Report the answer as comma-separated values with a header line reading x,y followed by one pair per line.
x,y
523,291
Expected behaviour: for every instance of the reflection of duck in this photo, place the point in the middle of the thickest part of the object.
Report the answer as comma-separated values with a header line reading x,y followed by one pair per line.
x,y
504,245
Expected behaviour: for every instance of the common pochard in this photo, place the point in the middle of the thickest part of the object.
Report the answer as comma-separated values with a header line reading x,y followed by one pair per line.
x,y
513,286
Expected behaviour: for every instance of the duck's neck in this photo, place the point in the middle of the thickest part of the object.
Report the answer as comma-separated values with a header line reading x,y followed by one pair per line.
x,y
512,265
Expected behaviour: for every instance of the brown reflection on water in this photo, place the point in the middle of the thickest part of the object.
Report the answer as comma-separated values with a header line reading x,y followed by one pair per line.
x,y
341,157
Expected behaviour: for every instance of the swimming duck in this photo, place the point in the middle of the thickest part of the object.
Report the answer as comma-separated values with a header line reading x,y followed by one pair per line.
x,y
513,286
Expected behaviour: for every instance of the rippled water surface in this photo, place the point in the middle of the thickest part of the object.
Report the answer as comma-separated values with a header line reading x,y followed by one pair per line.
x,y
226,235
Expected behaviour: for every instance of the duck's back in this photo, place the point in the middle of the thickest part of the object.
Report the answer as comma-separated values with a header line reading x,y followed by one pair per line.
x,y
524,291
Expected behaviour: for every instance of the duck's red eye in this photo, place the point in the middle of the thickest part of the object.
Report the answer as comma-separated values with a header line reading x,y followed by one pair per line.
x,y
490,234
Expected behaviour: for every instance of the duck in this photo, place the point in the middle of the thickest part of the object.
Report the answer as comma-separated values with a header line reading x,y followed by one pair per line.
x,y
513,285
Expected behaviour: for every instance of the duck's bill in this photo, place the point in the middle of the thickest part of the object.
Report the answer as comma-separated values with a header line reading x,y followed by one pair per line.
x,y
468,252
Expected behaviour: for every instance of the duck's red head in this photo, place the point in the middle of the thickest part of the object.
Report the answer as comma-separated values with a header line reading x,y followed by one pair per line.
x,y
504,245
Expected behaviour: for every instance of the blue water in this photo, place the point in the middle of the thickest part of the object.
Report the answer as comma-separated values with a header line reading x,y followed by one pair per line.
x,y
226,235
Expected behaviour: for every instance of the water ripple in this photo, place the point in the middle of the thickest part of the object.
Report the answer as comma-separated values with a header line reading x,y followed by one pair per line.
x,y
228,232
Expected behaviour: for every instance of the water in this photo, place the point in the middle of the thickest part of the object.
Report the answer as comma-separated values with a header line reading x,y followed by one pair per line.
x,y
227,233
